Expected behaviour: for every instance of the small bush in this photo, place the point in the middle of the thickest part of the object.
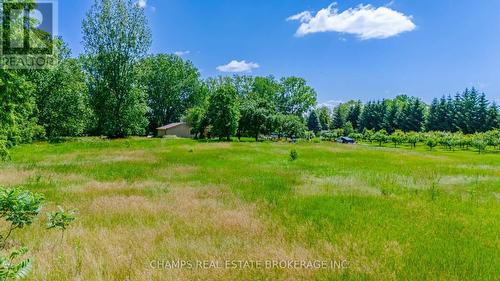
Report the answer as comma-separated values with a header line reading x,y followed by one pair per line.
x,y
60,219
18,210
4,152
293,155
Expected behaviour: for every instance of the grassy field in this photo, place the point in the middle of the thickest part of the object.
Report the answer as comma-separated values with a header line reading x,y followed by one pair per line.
x,y
393,214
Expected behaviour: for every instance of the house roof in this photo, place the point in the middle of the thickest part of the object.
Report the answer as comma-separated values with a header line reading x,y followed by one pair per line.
x,y
170,126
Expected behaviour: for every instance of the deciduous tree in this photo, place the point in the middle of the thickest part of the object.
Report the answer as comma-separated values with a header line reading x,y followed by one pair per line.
x,y
116,36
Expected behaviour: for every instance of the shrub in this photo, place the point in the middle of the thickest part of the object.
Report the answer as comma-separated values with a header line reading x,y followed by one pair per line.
x,y
10,269
4,152
327,136
309,135
356,136
348,129
293,155
367,135
19,208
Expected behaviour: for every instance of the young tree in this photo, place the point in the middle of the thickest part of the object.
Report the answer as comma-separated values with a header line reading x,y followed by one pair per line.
x,y
479,142
493,138
18,209
223,112
353,114
381,137
431,142
397,138
116,36
313,122
172,86
338,120
413,138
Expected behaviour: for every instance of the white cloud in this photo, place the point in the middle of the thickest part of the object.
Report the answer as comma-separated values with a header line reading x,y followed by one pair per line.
x,y
302,17
365,21
142,3
182,53
238,66
330,104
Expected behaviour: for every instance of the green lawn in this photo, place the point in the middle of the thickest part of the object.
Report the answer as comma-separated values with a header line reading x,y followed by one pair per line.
x,y
393,214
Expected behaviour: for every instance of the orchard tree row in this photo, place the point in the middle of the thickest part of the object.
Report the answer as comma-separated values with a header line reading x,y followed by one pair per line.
x,y
447,140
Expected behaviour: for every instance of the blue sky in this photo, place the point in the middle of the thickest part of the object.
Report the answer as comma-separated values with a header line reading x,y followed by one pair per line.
x,y
424,48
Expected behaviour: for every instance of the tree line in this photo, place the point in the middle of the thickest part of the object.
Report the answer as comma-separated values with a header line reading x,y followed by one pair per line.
x,y
468,112
447,140
117,89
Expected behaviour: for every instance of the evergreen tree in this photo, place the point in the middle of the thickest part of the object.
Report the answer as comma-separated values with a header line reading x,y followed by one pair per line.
x,y
391,117
493,119
481,119
338,120
449,113
471,110
372,116
354,113
434,118
313,122
412,116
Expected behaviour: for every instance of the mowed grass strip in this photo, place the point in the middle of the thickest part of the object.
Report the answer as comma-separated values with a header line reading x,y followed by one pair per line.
x,y
394,214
